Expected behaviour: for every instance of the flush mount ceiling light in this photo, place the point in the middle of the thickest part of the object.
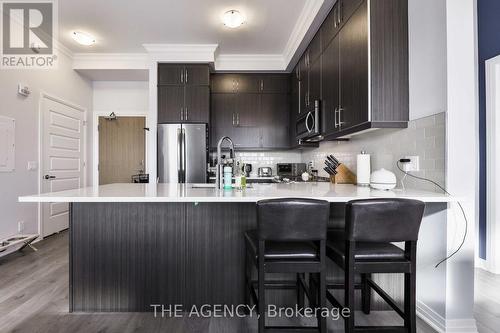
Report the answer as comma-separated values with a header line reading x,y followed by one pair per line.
x,y
83,38
233,18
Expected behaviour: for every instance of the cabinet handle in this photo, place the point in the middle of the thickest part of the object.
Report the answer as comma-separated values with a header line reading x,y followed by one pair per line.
x,y
182,76
261,85
238,119
234,124
182,113
336,16
341,123
186,75
341,14
186,113
335,117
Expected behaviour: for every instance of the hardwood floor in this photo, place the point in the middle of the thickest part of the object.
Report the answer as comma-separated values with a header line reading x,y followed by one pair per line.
x,y
487,301
34,298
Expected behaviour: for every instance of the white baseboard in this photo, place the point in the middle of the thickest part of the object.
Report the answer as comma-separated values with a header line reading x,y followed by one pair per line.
x,y
440,324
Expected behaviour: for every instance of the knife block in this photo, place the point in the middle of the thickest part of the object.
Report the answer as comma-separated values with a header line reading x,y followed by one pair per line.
x,y
344,176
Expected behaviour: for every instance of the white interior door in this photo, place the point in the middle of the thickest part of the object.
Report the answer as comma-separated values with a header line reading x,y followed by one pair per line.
x,y
62,159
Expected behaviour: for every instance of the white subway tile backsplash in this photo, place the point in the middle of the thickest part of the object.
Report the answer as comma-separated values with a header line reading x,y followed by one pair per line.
x,y
424,137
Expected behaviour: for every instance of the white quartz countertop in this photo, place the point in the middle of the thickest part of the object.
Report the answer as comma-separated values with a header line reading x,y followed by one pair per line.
x,y
186,193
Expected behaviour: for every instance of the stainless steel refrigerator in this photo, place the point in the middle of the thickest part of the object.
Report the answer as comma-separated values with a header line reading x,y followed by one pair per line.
x,y
182,153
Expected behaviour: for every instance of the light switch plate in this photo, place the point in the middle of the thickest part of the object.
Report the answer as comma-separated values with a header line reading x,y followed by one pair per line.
x,y
413,165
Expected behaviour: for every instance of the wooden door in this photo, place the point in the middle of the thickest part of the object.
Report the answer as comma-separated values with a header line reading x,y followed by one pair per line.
x,y
171,74
170,104
354,69
121,149
330,88
197,104
275,123
248,83
224,83
197,75
347,8
63,158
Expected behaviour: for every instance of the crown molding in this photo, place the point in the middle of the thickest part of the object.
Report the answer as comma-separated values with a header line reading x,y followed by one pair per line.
x,y
306,18
250,62
110,61
182,52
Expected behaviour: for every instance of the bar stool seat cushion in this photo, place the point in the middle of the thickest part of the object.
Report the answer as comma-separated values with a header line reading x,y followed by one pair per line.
x,y
282,250
335,248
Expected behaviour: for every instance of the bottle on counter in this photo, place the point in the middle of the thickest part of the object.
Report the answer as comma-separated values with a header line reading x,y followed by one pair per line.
x,y
228,177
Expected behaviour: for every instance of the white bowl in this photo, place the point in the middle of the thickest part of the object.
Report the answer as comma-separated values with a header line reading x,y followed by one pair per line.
x,y
383,180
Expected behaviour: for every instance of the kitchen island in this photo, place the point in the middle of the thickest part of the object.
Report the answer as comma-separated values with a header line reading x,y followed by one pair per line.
x,y
134,245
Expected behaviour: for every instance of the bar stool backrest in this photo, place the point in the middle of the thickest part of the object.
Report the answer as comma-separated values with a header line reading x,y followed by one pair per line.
x,y
383,220
292,219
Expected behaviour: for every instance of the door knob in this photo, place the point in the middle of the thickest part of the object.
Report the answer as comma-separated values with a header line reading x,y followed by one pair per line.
x,y
49,177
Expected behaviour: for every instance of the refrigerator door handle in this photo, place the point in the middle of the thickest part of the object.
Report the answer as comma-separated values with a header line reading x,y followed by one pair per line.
x,y
183,152
179,155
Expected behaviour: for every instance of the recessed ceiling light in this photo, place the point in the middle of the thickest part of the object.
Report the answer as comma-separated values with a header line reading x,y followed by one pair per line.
x,y
233,19
83,38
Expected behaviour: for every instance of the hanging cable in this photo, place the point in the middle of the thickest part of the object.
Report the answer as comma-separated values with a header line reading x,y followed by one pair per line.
x,y
445,191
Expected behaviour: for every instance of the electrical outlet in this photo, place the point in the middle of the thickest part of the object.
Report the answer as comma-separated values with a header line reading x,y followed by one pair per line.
x,y
413,165
20,226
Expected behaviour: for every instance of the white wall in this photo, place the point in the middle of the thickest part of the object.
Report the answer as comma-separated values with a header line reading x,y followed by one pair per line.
x,y
63,83
121,96
427,57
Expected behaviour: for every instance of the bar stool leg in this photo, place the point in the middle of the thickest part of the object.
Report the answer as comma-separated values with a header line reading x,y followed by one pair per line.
x,y
365,293
410,289
248,281
322,300
300,291
349,287
262,291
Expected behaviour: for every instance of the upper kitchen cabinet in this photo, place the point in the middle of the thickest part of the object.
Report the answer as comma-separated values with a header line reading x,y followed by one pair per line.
x,y
198,75
253,109
236,83
365,69
183,93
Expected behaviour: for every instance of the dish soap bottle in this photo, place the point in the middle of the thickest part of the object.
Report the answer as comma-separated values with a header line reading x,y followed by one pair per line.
x,y
228,177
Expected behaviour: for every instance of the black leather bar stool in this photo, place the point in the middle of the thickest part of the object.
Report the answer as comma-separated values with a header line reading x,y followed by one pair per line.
x,y
290,238
365,248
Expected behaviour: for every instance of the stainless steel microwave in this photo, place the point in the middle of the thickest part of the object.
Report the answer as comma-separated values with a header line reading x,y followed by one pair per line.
x,y
308,125
290,170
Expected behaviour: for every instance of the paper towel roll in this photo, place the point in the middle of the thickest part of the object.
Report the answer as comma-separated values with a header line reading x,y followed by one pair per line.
x,y
363,169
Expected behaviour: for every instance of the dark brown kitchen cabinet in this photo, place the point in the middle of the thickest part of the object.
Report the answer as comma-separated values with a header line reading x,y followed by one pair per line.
x,y
275,84
330,82
314,49
197,104
170,104
224,122
275,113
363,68
252,109
314,83
197,75
183,93
236,83
353,108
171,74
180,74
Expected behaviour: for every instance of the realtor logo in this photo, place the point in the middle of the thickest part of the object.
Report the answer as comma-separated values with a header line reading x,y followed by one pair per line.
x,y
28,30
